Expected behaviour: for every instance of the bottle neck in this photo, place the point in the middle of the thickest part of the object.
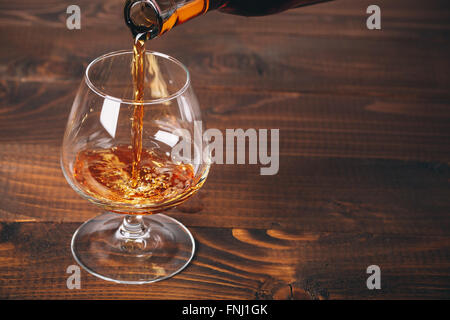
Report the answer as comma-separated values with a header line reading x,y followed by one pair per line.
x,y
184,11
151,18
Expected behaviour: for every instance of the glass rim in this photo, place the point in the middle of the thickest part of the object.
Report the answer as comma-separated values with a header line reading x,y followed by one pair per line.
x,y
130,101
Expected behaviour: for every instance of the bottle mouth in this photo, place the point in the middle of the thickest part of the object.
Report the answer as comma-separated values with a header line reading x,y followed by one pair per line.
x,y
143,18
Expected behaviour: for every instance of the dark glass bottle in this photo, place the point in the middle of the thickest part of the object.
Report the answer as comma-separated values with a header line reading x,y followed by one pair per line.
x,y
151,18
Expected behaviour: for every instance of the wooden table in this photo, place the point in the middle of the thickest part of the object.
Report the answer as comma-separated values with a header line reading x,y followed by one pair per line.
x,y
364,173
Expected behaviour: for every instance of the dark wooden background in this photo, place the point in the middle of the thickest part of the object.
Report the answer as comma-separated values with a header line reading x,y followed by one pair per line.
x,y
364,174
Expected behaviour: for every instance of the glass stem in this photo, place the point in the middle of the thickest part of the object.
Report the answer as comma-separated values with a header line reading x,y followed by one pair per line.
x,y
133,227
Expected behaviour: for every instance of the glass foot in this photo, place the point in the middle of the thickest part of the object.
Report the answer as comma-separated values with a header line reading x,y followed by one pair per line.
x,y
133,249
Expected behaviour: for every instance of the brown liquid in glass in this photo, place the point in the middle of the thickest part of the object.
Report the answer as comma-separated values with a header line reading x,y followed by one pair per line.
x,y
132,174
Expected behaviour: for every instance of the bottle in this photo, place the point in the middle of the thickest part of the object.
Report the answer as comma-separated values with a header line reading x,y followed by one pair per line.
x,y
151,18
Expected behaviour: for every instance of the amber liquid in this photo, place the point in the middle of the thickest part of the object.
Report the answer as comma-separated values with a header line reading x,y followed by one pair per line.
x,y
138,112
107,175
131,174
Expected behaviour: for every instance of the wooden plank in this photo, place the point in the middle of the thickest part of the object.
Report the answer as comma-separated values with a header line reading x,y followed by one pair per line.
x,y
237,264
396,61
339,157
328,195
311,124
399,17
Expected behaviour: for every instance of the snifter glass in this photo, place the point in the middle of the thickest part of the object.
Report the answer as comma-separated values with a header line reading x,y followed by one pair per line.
x,y
132,241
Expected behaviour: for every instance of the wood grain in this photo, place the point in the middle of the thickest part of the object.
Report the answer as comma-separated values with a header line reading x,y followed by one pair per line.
x,y
236,263
364,151
247,57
